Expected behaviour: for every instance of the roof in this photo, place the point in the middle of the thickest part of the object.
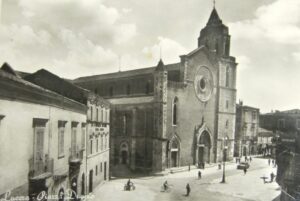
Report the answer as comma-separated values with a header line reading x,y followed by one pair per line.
x,y
8,69
61,86
160,66
292,111
246,107
129,73
10,80
214,18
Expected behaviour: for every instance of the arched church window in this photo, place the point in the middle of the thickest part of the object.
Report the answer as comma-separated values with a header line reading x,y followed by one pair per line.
x,y
174,110
124,121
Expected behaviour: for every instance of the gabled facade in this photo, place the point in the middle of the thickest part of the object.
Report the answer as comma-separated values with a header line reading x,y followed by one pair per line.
x,y
177,114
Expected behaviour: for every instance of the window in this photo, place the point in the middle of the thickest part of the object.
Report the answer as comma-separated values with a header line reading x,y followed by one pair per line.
x,y
101,166
107,116
61,133
147,87
227,76
96,172
227,104
91,108
91,146
101,114
253,115
111,91
83,135
97,145
105,142
128,89
61,138
104,114
101,142
74,136
174,110
97,114
39,134
124,120
281,123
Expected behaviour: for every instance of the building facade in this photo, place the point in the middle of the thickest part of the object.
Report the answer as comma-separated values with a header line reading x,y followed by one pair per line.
x,y
176,114
246,130
39,128
96,128
286,125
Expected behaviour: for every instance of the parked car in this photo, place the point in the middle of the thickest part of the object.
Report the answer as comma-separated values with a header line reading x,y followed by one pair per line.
x,y
243,165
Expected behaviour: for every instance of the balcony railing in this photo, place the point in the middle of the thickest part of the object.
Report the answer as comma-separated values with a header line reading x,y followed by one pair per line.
x,y
76,154
39,168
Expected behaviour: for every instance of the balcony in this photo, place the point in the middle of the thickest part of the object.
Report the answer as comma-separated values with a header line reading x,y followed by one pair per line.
x,y
76,154
40,169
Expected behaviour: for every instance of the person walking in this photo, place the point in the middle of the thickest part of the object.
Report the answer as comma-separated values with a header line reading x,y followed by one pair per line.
x,y
245,170
272,175
188,189
269,161
199,174
250,159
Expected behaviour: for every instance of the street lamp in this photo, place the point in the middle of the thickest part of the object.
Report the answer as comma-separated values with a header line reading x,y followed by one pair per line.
x,y
224,158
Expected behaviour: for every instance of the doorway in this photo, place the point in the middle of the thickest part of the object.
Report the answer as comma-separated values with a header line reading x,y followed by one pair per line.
x,y
124,157
91,181
203,149
104,171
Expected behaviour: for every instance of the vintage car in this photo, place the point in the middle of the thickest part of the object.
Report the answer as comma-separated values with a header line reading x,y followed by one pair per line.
x,y
243,165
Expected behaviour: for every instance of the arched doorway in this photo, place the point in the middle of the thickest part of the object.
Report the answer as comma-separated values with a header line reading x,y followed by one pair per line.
x,y
61,194
124,153
74,187
174,150
203,149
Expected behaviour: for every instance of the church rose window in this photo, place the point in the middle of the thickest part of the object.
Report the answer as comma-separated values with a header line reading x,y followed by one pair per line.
x,y
203,83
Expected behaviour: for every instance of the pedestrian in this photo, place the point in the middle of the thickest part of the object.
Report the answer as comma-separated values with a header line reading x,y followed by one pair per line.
x,y
199,174
273,162
246,158
236,160
245,170
269,161
250,159
188,189
272,175
189,167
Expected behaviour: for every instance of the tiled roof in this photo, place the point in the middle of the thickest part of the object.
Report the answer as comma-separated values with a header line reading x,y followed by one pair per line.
x,y
124,74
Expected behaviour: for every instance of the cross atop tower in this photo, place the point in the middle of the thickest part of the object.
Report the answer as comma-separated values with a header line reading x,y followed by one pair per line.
x,y
214,2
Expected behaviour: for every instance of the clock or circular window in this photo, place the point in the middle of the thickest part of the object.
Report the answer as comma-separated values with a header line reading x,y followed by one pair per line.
x,y
203,84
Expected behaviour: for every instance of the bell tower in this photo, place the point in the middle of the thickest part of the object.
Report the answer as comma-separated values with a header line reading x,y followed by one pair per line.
x,y
215,35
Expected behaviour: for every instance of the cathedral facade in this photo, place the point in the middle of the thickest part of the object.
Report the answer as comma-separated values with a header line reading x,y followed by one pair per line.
x,y
176,114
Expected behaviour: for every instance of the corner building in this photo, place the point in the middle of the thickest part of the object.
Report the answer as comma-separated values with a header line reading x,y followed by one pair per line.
x,y
176,114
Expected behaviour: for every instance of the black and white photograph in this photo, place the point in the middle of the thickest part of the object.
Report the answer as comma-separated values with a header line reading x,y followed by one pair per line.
x,y
150,100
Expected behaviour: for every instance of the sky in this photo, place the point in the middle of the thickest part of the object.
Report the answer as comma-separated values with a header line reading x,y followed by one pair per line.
x,y
74,38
